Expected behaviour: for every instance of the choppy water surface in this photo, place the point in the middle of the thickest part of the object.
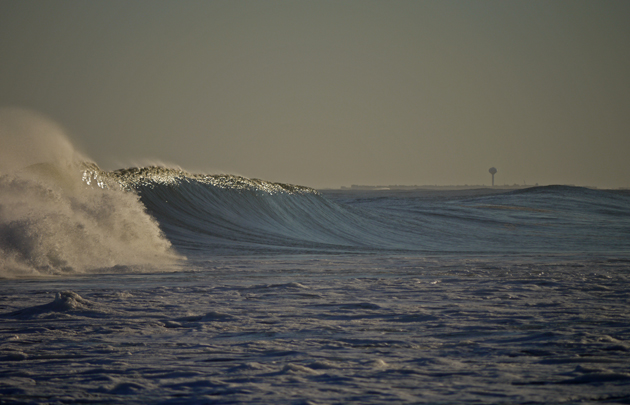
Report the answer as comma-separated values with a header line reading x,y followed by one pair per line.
x,y
289,295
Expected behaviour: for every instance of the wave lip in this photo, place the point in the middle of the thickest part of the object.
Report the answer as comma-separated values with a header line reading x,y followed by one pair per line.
x,y
134,178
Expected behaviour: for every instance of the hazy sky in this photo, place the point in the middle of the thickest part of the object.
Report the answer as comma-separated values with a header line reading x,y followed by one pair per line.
x,y
331,93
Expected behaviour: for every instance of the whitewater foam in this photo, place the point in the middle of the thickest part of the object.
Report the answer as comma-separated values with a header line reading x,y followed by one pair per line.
x,y
53,222
53,227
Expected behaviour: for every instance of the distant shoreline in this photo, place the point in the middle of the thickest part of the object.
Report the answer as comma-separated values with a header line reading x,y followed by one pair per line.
x,y
433,187
355,187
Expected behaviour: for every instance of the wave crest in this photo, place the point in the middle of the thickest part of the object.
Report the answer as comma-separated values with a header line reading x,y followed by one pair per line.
x,y
151,176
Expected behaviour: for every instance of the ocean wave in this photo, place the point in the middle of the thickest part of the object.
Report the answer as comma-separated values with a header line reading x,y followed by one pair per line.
x,y
62,214
226,214
57,219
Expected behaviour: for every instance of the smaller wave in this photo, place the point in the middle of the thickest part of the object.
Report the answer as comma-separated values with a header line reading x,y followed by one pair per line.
x,y
553,189
65,303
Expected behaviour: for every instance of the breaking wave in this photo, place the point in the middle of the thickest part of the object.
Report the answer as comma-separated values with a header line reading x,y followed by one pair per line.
x,y
61,214
52,222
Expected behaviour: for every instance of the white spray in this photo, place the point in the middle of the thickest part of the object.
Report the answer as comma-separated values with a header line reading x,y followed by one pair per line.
x,y
51,222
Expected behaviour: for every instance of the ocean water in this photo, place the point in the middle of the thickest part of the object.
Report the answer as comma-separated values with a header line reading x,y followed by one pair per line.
x,y
154,285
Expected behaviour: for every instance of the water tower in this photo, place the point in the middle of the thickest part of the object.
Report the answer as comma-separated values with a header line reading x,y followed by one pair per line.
x,y
492,172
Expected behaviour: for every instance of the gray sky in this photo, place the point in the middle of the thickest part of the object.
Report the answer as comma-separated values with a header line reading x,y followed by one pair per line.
x,y
331,93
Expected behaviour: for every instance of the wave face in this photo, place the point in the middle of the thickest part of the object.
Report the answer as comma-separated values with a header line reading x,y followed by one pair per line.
x,y
224,214
232,214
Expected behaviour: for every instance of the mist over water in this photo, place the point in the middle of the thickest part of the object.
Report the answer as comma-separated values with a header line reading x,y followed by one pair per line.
x,y
51,221
27,138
